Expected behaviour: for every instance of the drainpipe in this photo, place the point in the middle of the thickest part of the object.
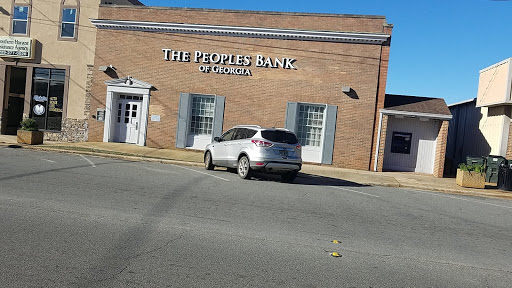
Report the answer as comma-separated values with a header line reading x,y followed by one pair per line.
x,y
378,144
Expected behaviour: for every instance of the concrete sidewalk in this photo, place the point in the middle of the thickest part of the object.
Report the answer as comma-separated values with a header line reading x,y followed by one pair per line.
x,y
195,158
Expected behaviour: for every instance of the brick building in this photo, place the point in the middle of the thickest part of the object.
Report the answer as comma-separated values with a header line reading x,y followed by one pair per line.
x,y
177,77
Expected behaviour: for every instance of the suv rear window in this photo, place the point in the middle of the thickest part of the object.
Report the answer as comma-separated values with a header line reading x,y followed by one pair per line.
x,y
279,136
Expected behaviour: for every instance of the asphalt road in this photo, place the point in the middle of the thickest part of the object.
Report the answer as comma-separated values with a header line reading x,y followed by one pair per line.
x,y
78,221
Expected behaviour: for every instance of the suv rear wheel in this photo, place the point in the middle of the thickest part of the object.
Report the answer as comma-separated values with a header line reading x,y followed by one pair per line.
x,y
244,168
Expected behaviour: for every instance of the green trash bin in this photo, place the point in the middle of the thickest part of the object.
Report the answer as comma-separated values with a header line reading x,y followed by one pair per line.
x,y
478,160
493,165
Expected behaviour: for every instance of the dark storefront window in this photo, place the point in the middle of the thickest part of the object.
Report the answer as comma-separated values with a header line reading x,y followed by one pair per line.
x,y
17,81
401,143
48,98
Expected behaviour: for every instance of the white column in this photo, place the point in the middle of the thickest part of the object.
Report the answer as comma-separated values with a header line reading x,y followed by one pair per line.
x,y
107,135
144,119
378,144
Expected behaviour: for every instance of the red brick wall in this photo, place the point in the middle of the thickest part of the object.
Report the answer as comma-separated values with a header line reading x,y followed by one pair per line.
x,y
381,92
322,68
441,150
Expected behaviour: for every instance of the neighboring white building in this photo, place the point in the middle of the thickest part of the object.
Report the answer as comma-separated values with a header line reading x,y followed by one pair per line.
x,y
495,99
481,127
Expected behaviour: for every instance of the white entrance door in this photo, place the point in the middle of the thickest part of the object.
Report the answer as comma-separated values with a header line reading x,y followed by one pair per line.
x,y
201,122
128,119
310,129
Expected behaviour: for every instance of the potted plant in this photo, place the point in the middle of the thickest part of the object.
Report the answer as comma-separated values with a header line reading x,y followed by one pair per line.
x,y
472,176
29,132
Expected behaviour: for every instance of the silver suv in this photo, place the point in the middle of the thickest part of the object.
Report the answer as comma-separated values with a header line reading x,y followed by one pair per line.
x,y
251,147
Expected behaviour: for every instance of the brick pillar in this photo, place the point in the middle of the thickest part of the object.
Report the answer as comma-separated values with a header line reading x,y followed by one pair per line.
x,y
381,95
441,150
88,92
381,91
382,145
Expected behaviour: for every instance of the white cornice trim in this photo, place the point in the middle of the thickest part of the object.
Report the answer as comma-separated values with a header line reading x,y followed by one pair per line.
x,y
234,31
416,114
129,82
498,103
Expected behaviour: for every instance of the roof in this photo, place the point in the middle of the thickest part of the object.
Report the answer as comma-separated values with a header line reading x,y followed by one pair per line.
x,y
463,102
415,104
121,2
260,127
259,12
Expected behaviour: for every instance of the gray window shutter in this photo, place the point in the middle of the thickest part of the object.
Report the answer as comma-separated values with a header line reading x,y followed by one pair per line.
x,y
218,120
290,122
183,120
329,132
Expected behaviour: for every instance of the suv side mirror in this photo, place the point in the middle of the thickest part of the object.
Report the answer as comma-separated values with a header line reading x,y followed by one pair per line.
x,y
217,139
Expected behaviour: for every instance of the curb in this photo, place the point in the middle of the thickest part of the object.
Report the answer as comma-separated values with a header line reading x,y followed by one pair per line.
x,y
134,158
486,194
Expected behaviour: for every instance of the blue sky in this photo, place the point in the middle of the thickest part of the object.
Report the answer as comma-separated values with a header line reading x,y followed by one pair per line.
x,y
437,49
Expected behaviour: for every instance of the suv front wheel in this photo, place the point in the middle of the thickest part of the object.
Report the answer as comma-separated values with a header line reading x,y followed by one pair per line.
x,y
208,165
244,168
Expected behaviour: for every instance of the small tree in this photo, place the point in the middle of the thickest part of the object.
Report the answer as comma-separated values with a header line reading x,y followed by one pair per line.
x,y
29,124
472,167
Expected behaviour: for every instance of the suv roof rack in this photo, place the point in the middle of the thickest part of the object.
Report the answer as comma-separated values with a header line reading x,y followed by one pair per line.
x,y
254,126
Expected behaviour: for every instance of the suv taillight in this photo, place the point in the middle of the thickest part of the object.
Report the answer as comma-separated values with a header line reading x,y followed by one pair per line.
x,y
298,147
260,143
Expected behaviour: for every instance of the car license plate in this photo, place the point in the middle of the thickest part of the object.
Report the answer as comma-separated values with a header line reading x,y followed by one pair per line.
x,y
283,152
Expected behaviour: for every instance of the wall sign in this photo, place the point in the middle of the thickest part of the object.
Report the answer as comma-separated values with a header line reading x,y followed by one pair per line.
x,y
39,109
39,98
16,47
53,106
229,64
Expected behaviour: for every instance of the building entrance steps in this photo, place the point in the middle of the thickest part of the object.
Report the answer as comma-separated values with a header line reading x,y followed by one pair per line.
x,y
195,158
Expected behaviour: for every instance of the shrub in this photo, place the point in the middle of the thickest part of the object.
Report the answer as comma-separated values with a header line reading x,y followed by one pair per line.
x,y
473,167
29,124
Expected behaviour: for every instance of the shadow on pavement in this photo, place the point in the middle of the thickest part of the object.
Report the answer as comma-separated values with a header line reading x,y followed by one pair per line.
x,y
304,179
308,179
